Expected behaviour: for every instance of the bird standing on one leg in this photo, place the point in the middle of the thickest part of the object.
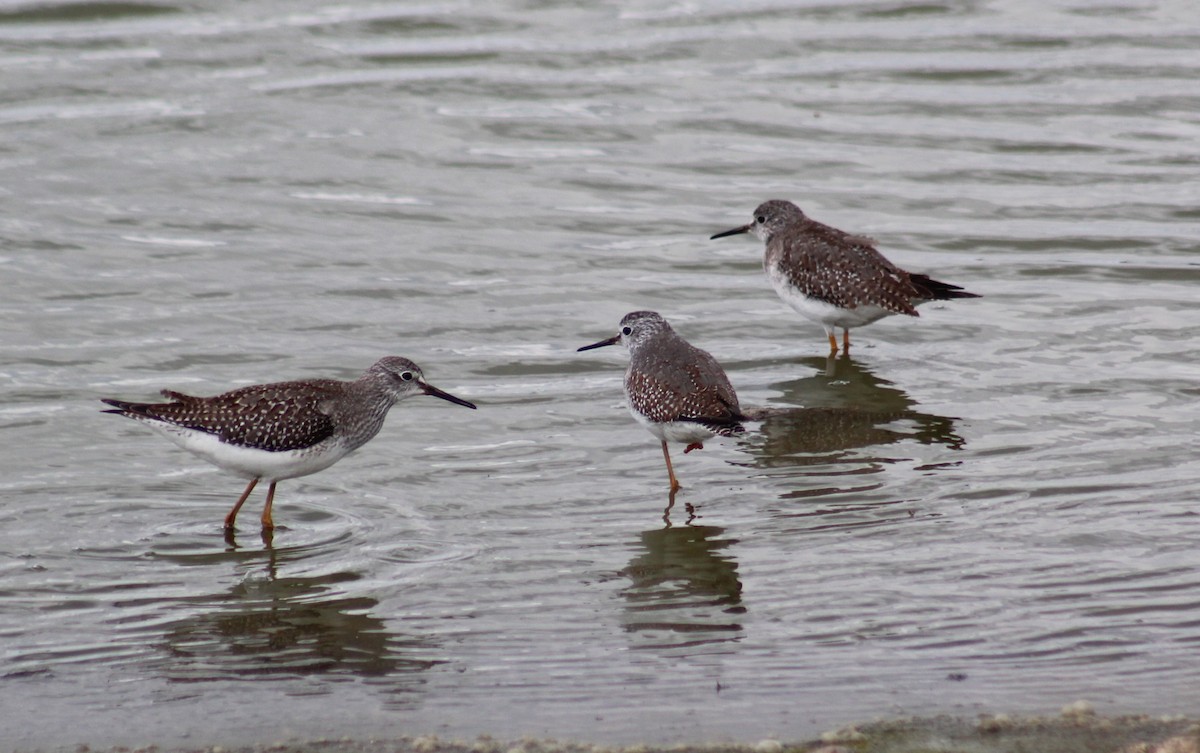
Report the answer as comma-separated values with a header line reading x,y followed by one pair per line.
x,y
285,429
835,278
677,391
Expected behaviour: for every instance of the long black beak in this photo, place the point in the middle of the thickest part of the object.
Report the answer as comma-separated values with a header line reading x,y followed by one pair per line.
x,y
734,231
429,389
610,341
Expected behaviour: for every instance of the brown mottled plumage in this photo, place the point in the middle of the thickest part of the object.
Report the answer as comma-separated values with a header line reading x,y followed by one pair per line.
x,y
677,391
284,429
272,417
680,382
836,278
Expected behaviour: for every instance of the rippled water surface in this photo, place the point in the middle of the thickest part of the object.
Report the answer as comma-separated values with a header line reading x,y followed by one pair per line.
x,y
989,508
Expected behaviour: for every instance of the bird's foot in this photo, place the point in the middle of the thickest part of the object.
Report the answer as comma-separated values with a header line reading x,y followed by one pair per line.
x,y
693,446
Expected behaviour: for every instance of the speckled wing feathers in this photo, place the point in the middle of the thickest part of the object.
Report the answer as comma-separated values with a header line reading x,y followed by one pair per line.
x,y
275,417
845,270
683,386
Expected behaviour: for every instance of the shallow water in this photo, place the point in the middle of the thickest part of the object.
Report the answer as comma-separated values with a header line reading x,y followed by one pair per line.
x,y
991,507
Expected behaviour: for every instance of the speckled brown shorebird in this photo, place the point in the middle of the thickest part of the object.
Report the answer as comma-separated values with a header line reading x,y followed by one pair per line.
x,y
677,391
286,429
835,278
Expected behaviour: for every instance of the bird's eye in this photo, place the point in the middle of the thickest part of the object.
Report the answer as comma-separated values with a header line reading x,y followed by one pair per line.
x,y
760,219
406,376
626,330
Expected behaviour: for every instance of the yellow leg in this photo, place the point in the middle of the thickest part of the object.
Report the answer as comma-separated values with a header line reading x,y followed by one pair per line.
x,y
232,516
845,342
670,471
832,343
267,523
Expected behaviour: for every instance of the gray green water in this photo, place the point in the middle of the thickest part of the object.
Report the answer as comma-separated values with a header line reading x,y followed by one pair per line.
x,y
990,508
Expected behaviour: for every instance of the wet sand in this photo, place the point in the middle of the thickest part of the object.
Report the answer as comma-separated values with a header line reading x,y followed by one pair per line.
x,y
1076,729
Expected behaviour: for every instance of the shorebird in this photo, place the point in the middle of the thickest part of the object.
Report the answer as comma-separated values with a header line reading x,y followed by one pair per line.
x,y
285,429
835,278
677,391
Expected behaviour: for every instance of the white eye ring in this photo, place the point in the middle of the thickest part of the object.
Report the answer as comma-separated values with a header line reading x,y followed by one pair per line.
x,y
626,330
407,376
760,219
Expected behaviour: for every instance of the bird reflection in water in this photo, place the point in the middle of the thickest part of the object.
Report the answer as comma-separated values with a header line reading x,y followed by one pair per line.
x,y
846,406
688,509
832,448
684,588
269,626
266,535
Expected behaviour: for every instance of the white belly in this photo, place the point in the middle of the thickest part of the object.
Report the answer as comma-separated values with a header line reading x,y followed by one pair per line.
x,y
826,314
249,462
684,432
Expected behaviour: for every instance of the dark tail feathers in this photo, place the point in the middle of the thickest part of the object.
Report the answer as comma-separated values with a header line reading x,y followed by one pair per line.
x,y
144,409
936,290
722,427
122,408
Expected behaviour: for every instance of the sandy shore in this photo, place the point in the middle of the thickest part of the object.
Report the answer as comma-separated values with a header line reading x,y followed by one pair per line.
x,y
1075,730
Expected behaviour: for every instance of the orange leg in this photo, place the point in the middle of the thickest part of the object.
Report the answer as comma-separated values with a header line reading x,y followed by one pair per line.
x,y
670,471
832,343
238,505
267,523
845,342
